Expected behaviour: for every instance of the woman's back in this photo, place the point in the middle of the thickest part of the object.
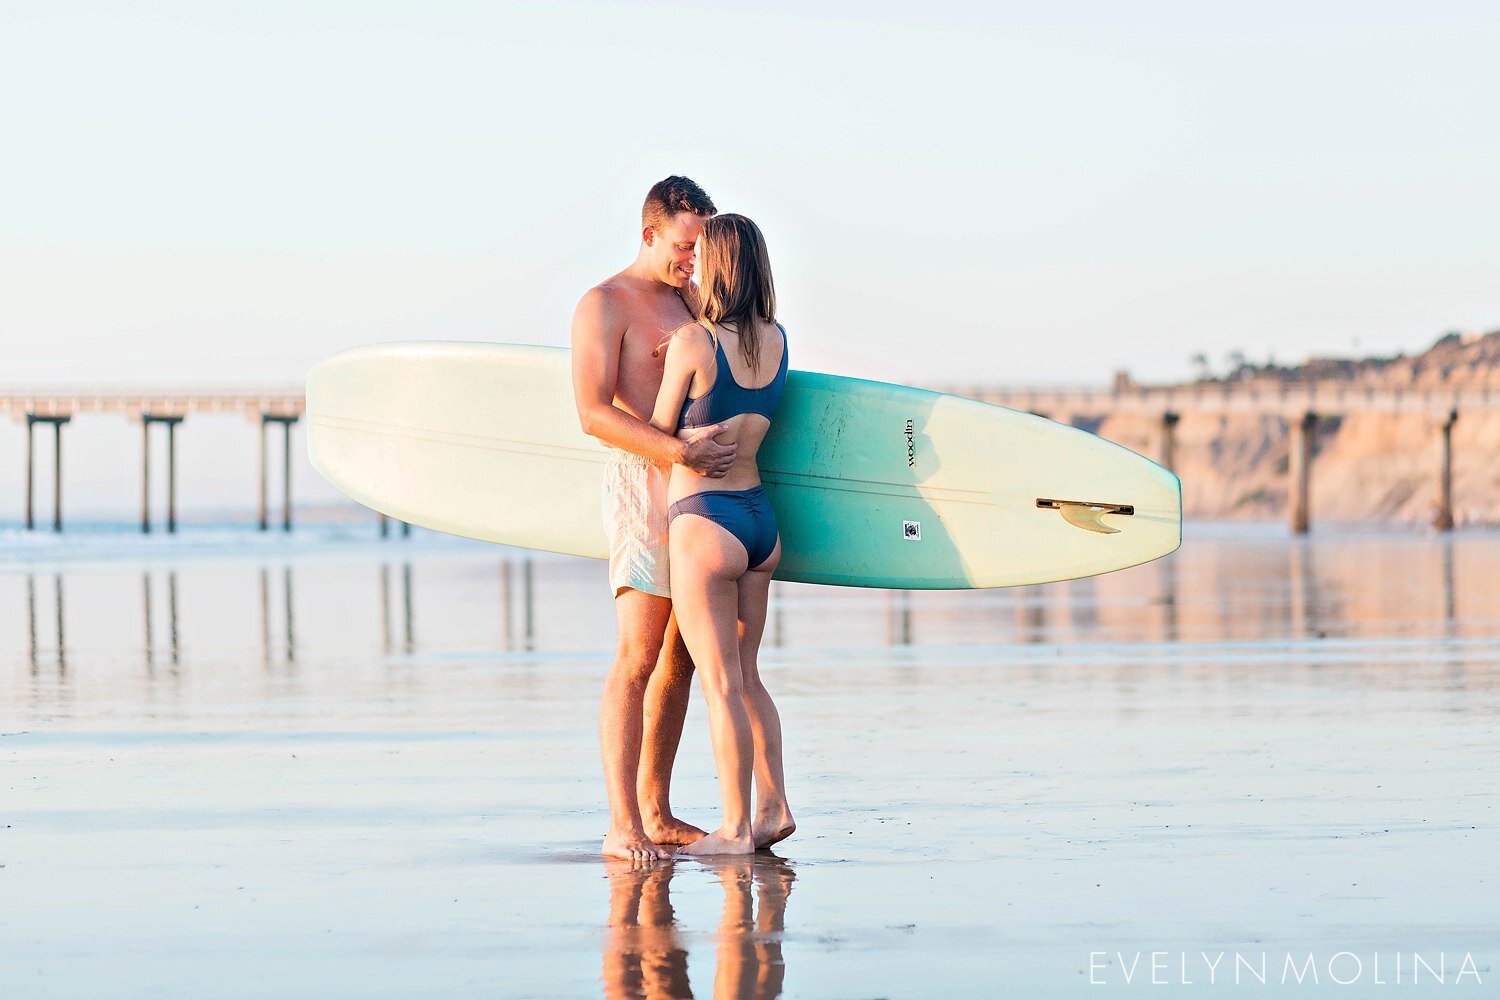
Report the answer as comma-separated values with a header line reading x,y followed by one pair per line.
x,y
745,400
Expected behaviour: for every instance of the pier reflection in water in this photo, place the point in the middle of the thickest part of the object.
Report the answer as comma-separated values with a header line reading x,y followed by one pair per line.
x,y
509,599
898,618
47,650
1440,587
269,655
408,628
174,650
38,653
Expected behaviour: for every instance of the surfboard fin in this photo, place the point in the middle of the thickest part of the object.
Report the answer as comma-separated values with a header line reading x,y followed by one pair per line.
x,y
1086,514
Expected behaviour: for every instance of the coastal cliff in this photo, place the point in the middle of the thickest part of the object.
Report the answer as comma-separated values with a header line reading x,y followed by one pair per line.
x,y
1366,466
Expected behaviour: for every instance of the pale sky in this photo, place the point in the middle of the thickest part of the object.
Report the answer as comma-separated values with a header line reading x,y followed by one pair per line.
x,y
227,190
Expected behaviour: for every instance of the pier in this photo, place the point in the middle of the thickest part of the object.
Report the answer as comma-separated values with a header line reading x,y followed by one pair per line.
x,y
150,407
1300,405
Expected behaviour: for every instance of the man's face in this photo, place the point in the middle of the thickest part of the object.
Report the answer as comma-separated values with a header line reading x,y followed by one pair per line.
x,y
675,248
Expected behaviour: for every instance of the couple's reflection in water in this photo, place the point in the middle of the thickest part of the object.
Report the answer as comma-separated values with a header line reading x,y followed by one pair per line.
x,y
643,954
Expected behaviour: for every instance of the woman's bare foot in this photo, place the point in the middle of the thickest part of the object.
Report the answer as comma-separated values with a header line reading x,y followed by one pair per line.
x,y
631,845
719,843
671,830
772,828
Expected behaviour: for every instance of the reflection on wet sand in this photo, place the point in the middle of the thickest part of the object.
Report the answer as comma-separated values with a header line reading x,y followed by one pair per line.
x,y
527,593
507,627
898,618
1031,610
1211,719
1303,590
1450,605
507,607
174,647
508,600
34,649
1166,597
643,956
277,641
749,959
408,628
1083,605
777,615
266,644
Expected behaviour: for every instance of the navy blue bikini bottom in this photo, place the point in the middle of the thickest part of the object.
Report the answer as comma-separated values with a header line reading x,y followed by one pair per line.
x,y
745,514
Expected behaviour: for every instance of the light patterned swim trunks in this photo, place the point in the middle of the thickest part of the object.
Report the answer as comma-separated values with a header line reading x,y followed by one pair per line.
x,y
635,520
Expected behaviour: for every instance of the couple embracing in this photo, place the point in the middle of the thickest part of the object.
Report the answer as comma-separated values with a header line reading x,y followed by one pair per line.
x,y
681,382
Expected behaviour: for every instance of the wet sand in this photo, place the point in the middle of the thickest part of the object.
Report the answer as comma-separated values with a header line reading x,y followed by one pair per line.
x,y
374,773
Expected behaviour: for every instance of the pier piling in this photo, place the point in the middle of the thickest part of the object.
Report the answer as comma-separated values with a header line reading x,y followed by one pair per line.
x,y
286,474
30,474
1300,466
1169,421
262,504
1443,521
172,473
57,473
57,421
146,481
286,421
147,419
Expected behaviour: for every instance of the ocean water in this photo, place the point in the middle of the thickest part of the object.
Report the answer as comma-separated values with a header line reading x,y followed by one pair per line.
x,y
323,764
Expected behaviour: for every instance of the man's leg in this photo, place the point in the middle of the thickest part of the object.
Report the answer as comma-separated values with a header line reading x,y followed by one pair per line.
x,y
666,706
641,619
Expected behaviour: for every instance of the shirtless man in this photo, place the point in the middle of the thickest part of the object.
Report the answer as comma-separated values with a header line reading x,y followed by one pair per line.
x,y
620,332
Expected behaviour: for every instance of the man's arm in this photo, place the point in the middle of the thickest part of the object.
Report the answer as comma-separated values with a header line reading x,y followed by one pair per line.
x,y
598,331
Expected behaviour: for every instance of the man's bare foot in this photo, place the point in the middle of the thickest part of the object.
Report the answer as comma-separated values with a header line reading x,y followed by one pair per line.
x,y
718,843
671,830
631,846
772,829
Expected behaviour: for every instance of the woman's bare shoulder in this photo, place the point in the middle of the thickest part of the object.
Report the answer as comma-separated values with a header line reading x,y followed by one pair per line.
x,y
691,342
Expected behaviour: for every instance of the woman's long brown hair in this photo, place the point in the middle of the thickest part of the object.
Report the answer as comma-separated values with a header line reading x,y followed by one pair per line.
x,y
737,286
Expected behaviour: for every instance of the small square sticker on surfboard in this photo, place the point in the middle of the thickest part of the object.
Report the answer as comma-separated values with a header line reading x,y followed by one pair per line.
x,y
911,530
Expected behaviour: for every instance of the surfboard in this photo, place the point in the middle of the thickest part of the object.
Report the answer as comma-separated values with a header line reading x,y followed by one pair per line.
x,y
873,484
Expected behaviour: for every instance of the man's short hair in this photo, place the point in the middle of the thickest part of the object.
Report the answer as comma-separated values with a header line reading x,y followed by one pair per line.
x,y
672,195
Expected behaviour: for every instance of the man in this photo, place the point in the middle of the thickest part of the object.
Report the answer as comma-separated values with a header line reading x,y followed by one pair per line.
x,y
620,333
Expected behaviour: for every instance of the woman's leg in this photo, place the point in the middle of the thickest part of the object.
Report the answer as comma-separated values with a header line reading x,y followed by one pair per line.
x,y
706,562
773,817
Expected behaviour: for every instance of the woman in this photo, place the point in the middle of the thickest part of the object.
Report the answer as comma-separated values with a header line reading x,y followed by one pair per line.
x,y
723,544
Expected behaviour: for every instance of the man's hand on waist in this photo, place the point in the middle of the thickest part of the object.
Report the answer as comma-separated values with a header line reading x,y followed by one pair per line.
x,y
705,456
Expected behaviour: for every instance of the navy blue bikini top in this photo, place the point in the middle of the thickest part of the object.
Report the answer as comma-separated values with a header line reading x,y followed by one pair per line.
x,y
727,398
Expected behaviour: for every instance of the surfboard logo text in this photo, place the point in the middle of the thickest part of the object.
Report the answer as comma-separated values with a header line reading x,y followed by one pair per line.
x,y
911,446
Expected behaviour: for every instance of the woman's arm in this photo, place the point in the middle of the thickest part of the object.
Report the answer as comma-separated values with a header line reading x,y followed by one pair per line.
x,y
687,354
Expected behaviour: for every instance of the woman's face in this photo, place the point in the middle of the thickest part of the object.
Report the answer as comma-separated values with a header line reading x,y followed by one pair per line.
x,y
704,267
